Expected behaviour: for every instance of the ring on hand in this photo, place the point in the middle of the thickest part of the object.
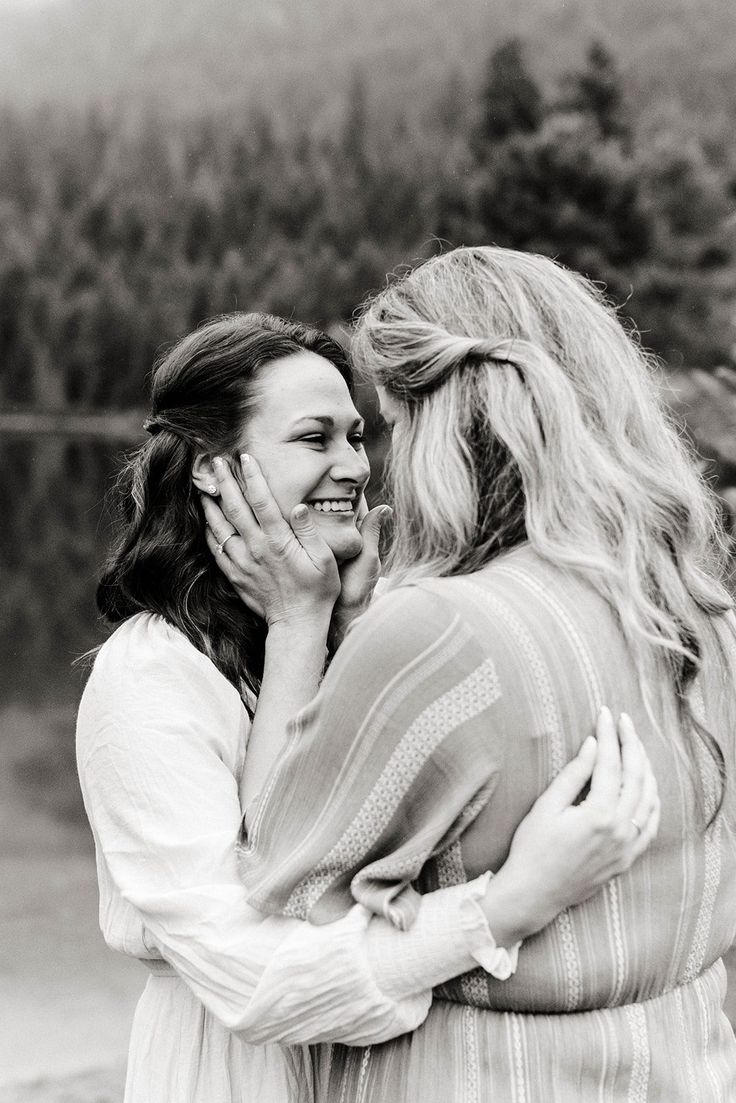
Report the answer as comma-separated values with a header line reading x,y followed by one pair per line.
x,y
221,546
636,825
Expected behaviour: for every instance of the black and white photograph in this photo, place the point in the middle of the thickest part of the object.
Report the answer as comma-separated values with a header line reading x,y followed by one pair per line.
x,y
368,551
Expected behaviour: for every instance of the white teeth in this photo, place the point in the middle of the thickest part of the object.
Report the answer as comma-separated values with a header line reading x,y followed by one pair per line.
x,y
333,506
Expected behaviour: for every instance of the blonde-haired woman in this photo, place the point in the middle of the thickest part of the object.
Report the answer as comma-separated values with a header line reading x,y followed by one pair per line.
x,y
554,548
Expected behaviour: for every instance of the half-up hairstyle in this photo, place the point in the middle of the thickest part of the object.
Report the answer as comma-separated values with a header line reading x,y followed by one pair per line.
x,y
203,391
529,413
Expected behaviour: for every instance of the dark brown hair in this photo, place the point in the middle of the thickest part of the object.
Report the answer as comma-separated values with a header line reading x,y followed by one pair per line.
x,y
203,391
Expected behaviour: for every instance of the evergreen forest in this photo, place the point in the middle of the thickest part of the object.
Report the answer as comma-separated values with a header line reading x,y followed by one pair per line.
x,y
118,237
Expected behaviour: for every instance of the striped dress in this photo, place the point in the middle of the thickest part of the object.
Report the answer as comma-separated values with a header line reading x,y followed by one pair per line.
x,y
447,711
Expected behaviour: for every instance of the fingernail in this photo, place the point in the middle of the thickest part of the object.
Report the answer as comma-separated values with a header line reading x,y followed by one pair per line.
x,y
300,513
217,463
244,459
604,713
386,513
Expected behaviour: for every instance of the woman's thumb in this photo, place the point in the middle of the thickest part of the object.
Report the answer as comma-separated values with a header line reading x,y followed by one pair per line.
x,y
372,524
301,521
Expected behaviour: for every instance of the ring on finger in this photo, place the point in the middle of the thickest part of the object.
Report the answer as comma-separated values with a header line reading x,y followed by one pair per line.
x,y
636,825
221,546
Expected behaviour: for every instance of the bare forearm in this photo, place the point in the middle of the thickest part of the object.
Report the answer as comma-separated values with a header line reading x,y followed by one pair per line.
x,y
294,661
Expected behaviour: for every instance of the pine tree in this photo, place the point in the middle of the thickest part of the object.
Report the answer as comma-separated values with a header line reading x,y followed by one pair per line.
x,y
597,92
511,101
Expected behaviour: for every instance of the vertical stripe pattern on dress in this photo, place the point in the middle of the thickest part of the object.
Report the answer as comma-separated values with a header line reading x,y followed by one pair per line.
x,y
505,615
520,1092
587,666
689,1070
705,1025
472,1069
639,1083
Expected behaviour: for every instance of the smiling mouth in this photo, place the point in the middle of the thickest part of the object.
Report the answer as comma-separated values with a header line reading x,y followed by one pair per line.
x,y
343,506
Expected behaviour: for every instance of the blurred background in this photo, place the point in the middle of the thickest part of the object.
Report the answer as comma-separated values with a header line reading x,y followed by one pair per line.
x,y
162,161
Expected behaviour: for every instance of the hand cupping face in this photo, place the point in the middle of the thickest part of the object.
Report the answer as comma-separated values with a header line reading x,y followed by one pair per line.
x,y
282,569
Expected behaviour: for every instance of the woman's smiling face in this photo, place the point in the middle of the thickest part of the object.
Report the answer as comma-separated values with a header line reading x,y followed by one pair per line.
x,y
307,436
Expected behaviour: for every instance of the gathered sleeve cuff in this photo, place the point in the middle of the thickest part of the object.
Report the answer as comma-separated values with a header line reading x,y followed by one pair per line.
x,y
450,936
367,980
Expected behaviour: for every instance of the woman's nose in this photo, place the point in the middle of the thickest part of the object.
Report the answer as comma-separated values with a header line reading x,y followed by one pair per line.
x,y
351,466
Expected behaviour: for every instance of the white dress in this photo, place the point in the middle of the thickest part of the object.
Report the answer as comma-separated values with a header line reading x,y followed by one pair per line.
x,y
232,997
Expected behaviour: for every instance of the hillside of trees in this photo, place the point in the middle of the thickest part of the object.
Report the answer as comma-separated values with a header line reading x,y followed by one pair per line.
x,y
118,238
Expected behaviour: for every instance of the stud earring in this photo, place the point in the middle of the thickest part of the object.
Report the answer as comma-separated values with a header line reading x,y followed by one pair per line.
x,y
212,489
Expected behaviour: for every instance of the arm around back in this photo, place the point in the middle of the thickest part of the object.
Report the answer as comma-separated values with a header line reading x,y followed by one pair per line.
x,y
160,742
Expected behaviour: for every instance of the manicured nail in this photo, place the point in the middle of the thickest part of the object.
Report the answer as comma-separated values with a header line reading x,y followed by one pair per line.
x,y
300,513
217,463
245,459
604,713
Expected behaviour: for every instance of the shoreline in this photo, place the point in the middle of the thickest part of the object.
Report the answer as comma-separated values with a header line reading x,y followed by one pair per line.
x,y
123,425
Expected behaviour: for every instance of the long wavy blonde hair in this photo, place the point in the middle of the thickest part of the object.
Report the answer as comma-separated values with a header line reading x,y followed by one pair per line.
x,y
529,413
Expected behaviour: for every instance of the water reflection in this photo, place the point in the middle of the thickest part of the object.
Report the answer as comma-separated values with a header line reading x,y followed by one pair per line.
x,y
54,536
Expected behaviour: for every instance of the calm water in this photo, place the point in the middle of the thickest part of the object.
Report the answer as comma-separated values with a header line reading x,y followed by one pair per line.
x,y
53,539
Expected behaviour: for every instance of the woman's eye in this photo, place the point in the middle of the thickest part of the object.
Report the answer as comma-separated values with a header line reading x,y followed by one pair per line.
x,y
314,438
356,439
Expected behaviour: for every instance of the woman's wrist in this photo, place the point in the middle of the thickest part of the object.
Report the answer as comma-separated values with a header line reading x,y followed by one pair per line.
x,y
302,639
301,623
513,910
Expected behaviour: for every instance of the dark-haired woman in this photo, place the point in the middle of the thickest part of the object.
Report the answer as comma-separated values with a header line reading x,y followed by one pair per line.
x,y
165,722
554,547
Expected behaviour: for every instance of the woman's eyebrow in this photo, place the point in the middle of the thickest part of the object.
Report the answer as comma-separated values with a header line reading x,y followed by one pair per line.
x,y
328,422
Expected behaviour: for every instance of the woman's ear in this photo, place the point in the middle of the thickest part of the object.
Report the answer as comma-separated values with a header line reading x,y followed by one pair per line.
x,y
203,474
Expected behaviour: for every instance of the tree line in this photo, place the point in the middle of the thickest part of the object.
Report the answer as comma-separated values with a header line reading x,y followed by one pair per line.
x,y
117,240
